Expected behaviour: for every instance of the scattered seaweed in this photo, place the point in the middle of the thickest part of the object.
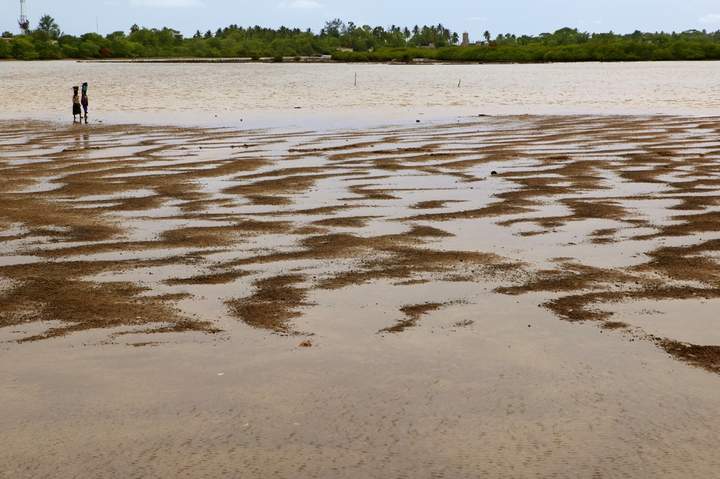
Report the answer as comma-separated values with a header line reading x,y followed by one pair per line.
x,y
82,197
274,303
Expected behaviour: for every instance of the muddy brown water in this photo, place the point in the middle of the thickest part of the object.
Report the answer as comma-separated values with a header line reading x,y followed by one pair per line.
x,y
315,96
504,297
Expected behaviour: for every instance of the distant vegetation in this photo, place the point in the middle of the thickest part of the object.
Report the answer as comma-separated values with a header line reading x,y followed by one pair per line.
x,y
350,42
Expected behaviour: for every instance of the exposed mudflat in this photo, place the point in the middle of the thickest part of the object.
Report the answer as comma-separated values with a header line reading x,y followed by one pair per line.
x,y
338,279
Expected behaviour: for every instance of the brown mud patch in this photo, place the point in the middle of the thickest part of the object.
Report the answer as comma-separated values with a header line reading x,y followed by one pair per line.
x,y
274,303
224,277
58,292
706,357
412,313
345,222
570,277
420,264
432,204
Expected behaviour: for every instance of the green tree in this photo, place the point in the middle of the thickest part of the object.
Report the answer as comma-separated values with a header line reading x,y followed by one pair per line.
x,y
49,27
48,51
334,28
370,43
4,49
89,50
23,49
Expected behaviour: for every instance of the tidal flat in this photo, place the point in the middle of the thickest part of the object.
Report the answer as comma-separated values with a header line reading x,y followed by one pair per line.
x,y
507,296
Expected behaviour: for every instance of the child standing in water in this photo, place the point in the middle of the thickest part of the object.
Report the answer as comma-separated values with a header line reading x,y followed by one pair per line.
x,y
76,105
84,101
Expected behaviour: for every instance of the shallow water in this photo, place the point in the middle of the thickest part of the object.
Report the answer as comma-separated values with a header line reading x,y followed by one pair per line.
x,y
496,399
489,385
323,95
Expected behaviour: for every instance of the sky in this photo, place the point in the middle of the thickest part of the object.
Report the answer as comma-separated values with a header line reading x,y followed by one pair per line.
x,y
473,16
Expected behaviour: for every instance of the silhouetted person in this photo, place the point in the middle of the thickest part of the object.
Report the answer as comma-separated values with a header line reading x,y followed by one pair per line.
x,y
84,101
76,105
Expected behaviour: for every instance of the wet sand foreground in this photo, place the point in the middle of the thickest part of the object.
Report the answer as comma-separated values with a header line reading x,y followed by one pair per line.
x,y
504,297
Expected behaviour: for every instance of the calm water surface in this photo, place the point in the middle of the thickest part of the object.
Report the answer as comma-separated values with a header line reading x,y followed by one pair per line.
x,y
325,95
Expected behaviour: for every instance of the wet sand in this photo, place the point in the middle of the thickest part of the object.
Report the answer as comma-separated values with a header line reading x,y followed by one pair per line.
x,y
508,296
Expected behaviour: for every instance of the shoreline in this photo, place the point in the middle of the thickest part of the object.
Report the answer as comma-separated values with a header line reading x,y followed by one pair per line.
x,y
333,124
311,60
327,59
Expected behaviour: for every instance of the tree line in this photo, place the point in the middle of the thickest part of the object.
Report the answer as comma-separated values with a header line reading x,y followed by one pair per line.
x,y
349,42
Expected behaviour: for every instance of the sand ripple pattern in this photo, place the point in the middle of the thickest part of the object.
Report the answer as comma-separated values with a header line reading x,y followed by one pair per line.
x,y
125,227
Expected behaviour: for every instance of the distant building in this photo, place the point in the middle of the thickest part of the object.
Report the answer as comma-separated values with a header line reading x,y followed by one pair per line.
x,y
466,39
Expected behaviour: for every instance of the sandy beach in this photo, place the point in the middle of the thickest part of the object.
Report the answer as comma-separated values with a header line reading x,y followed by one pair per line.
x,y
515,296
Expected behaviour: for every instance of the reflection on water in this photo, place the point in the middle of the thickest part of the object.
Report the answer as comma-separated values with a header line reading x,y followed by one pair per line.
x,y
268,94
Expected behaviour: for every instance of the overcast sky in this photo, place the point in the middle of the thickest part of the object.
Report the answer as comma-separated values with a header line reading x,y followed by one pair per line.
x,y
475,16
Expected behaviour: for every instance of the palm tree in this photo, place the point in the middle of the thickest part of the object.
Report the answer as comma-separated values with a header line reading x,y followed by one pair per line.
x,y
49,26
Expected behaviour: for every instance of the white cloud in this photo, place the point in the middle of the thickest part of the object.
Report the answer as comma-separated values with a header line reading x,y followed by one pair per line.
x,y
167,3
711,19
301,4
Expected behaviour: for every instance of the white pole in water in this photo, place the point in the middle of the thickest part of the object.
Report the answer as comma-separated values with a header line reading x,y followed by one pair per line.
x,y
459,81
355,78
